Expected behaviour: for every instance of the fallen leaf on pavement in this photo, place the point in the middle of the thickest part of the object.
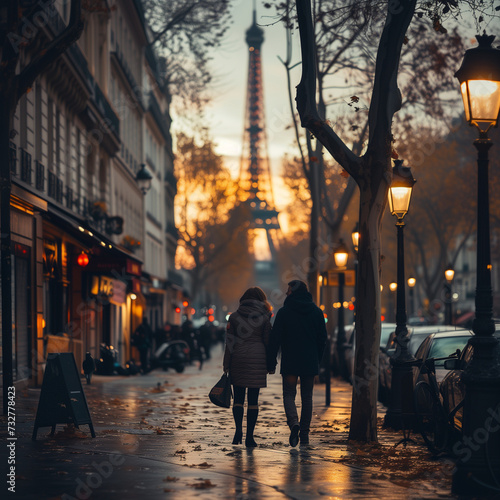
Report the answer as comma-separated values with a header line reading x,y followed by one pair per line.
x,y
203,485
203,465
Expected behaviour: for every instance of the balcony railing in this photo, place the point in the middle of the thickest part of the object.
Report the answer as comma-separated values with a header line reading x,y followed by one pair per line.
x,y
159,117
102,104
128,74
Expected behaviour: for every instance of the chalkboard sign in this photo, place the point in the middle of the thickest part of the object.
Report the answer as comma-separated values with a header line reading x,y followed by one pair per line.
x,y
62,400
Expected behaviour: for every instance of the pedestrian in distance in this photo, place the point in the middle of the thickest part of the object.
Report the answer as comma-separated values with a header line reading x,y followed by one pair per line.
x,y
142,340
299,331
247,335
191,335
88,366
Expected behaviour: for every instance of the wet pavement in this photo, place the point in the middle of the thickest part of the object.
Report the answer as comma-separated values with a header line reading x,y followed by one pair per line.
x,y
158,436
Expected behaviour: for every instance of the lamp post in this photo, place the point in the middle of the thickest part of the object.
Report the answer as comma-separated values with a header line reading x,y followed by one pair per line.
x,y
411,284
324,296
392,288
479,77
144,179
340,255
449,273
355,246
402,372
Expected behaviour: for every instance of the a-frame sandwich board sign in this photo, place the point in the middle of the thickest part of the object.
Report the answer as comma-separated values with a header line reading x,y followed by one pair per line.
x,y
62,399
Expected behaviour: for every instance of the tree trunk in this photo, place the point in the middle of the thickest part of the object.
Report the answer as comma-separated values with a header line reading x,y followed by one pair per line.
x,y
312,271
365,381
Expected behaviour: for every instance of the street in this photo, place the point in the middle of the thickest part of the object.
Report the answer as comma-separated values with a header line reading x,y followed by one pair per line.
x,y
158,436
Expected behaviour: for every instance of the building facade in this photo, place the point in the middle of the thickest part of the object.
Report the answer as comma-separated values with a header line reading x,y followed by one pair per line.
x,y
91,253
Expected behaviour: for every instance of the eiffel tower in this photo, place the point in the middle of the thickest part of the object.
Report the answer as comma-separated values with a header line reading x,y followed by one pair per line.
x,y
255,173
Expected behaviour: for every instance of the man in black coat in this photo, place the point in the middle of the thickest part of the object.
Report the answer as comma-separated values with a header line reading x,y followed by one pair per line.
x,y
299,331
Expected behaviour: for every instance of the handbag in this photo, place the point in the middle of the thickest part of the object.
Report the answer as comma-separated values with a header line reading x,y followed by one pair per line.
x,y
221,392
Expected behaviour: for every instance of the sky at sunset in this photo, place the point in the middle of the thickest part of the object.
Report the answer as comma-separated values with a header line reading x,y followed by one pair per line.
x,y
230,67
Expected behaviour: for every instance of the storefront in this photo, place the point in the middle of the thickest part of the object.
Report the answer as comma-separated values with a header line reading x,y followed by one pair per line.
x,y
25,279
115,289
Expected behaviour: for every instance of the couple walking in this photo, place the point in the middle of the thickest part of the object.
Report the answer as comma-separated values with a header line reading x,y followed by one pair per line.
x,y
250,355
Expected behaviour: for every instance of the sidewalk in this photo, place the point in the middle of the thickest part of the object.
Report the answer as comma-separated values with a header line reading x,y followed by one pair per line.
x,y
158,436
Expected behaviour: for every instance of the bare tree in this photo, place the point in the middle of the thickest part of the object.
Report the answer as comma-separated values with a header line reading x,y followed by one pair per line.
x,y
212,224
372,172
184,32
346,37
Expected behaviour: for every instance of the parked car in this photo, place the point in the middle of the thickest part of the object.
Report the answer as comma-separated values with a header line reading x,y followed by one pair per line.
x,y
335,362
173,354
350,345
452,387
417,335
440,345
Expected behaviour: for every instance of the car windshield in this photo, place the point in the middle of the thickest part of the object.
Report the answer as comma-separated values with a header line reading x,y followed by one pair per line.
x,y
446,346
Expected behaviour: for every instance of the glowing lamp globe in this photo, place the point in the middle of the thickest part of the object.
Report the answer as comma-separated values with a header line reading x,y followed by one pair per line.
x,y
83,259
449,273
341,255
400,190
355,237
479,77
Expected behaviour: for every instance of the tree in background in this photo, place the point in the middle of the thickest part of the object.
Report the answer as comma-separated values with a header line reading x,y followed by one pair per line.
x,y
183,33
372,171
212,224
345,39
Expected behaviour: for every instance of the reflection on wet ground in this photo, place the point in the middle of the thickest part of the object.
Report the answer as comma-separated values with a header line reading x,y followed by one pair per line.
x,y
158,436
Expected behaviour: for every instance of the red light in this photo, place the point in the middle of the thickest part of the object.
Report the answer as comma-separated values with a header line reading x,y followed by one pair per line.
x,y
351,307
185,303
177,309
210,311
211,318
193,310
382,318
83,259
325,315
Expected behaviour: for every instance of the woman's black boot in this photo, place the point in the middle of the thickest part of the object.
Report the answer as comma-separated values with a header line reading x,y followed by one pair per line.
x,y
252,413
238,420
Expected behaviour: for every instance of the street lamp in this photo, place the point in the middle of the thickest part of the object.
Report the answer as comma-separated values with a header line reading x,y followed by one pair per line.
x,y
479,78
393,287
402,372
411,284
449,273
144,179
340,255
355,237
355,245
